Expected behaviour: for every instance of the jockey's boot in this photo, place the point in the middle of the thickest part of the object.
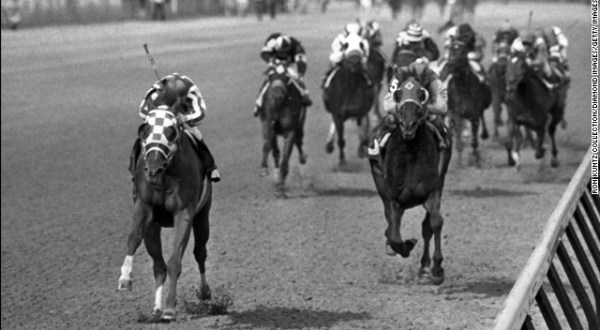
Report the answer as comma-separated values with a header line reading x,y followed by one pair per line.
x,y
326,77
441,133
208,160
379,138
257,110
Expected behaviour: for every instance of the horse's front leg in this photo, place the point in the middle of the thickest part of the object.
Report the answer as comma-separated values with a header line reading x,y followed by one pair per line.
x,y
330,138
475,141
339,127
153,244
457,125
540,151
363,136
551,133
141,216
285,162
267,133
182,226
395,241
432,224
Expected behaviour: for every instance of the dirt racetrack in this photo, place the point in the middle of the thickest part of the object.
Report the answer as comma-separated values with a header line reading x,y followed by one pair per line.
x,y
312,261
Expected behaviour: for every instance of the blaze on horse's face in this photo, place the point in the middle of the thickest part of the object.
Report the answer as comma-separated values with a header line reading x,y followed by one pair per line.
x,y
411,99
502,54
159,136
515,71
278,81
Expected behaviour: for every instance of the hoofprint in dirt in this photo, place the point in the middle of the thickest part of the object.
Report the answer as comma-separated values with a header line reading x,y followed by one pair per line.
x,y
315,260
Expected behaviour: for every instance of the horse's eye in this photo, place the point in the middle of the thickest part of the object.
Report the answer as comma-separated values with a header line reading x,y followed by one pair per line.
x,y
144,131
171,133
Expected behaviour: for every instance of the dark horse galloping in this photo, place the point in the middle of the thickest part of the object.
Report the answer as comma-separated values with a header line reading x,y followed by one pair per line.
x,y
348,96
412,173
532,102
283,115
497,79
468,97
171,189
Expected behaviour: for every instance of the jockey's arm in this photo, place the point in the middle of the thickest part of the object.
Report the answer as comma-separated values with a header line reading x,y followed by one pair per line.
x,y
438,98
196,107
337,49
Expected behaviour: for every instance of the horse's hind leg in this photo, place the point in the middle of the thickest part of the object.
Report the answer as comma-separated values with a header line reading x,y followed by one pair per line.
x,y
475,141
201,235
152,241
433,223
285,163
141,214
183,227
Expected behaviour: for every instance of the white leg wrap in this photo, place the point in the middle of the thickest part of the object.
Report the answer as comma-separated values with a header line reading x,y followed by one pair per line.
x,y
158,298
331,132
126,268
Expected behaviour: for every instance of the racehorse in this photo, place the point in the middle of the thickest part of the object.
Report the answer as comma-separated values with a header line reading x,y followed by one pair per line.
x,y
532,102
283,115
348,96
497,80
412,173
171,189
468,97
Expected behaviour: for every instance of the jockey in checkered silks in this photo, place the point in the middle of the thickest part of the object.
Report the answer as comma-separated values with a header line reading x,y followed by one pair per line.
x,y
190,113
282,47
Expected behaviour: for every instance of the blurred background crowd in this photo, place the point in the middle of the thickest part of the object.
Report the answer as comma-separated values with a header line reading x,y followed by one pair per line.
x,y
23,13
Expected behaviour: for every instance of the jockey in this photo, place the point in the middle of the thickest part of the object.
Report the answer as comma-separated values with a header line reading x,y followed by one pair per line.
x,y
506,34
190,113
557,50
279,46
436,107
340,46
533,45
415,39
475,44
372,32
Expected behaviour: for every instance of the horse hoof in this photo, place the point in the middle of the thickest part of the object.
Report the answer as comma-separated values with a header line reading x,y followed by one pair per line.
x,y
125,285
540,153
169,316
424,272
205,293
389,251
437,279
485,136
329,148
554,162
303,158
156,314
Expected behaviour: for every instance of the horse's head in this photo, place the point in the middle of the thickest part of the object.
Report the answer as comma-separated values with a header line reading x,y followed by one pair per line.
x,y
279,80
458,53
515,71
502,53
159,135
353,53
411,99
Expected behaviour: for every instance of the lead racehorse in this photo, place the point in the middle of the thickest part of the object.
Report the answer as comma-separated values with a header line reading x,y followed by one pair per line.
x,y
171,189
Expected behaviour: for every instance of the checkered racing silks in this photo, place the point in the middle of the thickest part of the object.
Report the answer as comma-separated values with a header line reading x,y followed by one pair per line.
x,y
159,120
